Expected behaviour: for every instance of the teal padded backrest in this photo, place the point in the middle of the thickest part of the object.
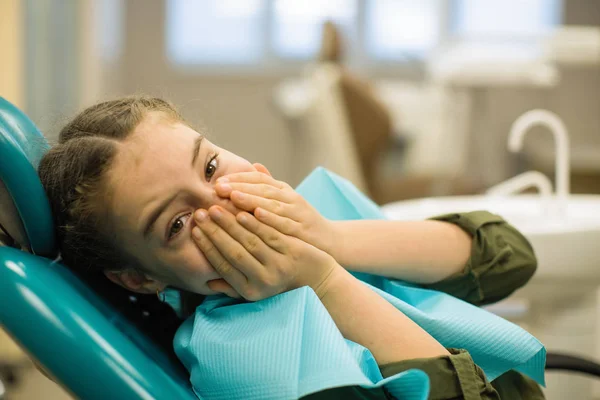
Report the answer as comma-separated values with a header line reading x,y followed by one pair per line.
x,y
88,347
76,338
21,148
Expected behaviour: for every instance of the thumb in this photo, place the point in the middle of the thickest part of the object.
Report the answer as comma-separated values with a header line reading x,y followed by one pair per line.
x,y
221,286
261,168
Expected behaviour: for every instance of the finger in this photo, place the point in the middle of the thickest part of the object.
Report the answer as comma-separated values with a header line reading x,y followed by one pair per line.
x,y
258,189
282,224
221,286
261,168
252,243
239,259
253,177
234,277
249,202
272,237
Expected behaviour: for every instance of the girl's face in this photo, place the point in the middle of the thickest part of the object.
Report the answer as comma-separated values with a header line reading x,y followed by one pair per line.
x,y
162,173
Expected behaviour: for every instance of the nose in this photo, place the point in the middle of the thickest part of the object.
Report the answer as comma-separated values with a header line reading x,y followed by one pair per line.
x,y
226,204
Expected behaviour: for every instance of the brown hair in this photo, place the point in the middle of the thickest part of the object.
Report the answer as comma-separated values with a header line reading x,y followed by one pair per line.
x,y
73,174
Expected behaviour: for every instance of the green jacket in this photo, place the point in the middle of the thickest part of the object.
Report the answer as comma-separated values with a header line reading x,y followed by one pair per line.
x,y
501,261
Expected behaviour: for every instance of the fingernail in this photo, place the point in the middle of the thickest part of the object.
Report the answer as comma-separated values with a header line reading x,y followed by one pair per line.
x,y
215,212
200,215
242,218
240,195
196,232
222,180
225,187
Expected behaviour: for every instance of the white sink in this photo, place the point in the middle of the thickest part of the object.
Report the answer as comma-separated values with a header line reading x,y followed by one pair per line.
x,y
567,246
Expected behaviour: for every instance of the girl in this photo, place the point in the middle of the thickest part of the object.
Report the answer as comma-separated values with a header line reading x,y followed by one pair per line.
x,y
143,198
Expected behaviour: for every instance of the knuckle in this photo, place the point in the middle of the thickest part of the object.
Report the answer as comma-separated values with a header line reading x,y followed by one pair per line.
x,y
238,256
252,243
301,200
268,190
223,267
289,226
275,206
207,247
295,256
295,253
212,230
252,294
274,239
270,282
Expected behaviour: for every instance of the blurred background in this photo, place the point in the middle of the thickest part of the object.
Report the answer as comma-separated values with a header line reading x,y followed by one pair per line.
x,y
406,98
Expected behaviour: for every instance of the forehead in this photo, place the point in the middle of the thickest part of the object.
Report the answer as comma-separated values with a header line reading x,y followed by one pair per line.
x,y
155,135
147,167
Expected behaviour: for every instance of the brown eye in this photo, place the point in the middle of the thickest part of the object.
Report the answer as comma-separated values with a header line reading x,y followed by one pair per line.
x,y
177,226
211,168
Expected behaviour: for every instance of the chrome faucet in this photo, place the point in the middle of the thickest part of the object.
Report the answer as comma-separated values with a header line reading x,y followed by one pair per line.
x,y
561,138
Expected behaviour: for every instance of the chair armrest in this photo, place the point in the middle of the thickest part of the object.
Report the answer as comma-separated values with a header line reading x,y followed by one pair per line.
x,y
566,362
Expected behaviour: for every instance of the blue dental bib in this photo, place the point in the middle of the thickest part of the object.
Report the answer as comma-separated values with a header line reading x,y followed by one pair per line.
x,y
287,346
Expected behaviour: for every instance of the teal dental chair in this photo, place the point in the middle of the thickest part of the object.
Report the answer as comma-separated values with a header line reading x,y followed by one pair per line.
x,y
85,344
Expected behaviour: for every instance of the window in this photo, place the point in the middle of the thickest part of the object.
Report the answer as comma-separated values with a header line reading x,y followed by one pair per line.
x,y
493,20
215,32
271,33
399,28
508,29
110,25
296,31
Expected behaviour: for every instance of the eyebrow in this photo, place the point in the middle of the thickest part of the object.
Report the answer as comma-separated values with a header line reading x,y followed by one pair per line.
x,y
196,151
149,225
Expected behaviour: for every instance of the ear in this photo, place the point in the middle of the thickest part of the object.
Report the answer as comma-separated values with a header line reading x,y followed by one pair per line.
x,y
261,168
135,281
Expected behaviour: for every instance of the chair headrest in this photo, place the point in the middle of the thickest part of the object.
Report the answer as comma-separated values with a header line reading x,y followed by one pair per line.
x,y
25,212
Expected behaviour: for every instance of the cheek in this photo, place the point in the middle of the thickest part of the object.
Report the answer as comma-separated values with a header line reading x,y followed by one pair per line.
x,y
189,269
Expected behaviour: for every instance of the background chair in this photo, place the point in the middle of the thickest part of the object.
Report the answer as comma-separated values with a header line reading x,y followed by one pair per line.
x,y
344,123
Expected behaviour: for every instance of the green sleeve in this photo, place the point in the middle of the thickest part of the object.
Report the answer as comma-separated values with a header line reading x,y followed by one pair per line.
x,y
451,377
454,377
513,385
457,377
501,261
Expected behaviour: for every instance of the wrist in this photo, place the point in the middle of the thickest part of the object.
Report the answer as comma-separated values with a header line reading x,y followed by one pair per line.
x,y
334,240
332,279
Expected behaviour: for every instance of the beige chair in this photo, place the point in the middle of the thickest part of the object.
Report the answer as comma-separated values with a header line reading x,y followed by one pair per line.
x,y
339,122
324,136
